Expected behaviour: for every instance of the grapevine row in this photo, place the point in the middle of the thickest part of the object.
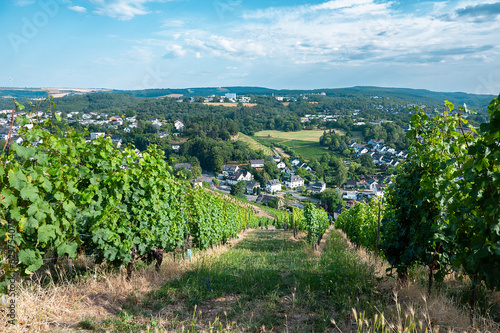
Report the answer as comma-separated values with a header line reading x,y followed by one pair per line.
x,y
443,208
62,195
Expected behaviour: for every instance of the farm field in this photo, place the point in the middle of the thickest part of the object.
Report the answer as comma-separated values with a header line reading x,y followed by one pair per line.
x,y
306,150
304,135
254,144
312,135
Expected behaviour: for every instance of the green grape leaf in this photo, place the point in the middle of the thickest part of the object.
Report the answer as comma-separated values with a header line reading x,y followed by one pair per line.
x,y
29,192
24,152
30,259
68,248
46,233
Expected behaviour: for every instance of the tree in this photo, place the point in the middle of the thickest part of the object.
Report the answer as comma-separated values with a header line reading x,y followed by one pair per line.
x,y
238,189
215,181
271,169
367,160
273,203
341,174
196,171
331,198
218,162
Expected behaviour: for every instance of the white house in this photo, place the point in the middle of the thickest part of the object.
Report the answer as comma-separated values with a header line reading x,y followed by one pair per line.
x,y
294,181
197,183
179,125
273,185
238,176
281,165
252,186
228,170
295,162
318,187
257,163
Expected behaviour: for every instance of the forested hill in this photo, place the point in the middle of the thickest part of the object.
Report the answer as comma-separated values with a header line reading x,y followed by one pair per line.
x,y
417,96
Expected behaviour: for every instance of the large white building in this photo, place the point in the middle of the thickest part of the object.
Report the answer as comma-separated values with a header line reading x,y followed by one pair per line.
x,y
294,181
273,186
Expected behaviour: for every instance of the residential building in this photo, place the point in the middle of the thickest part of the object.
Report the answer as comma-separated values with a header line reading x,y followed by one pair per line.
x,y
318,187
179,125
281,165
273,186
229,170
350,183
251,186
257,163
95,135
294,181
239,176
197,183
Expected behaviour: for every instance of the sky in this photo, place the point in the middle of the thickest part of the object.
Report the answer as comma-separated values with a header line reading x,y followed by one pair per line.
x,y
299,44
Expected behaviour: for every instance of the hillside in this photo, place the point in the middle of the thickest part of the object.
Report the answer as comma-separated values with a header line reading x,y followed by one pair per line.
x,y
420,96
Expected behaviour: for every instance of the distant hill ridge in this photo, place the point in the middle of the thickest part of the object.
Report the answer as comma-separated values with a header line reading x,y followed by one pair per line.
x,y
421,96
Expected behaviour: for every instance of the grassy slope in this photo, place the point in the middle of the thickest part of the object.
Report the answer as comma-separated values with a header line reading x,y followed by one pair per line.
x,y
303,143
254,144
312,136
268,280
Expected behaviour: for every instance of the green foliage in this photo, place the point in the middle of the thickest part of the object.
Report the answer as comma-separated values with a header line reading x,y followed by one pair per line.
x,y
59,193
443,208
411,231
360,223
331,198
238,189
315,223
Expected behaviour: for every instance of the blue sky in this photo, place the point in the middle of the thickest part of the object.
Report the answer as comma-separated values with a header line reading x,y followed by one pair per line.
x,y
142,44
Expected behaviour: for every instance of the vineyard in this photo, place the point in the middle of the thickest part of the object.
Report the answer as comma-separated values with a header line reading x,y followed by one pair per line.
x,y
442,211
62,196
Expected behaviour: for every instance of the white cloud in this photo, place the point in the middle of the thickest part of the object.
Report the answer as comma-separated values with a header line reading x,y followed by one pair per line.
x,y
174,51
355,32
122,9
78,9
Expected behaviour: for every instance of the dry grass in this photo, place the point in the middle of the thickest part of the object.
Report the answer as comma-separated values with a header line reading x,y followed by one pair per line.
x,y
59,307
63,305
436,312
